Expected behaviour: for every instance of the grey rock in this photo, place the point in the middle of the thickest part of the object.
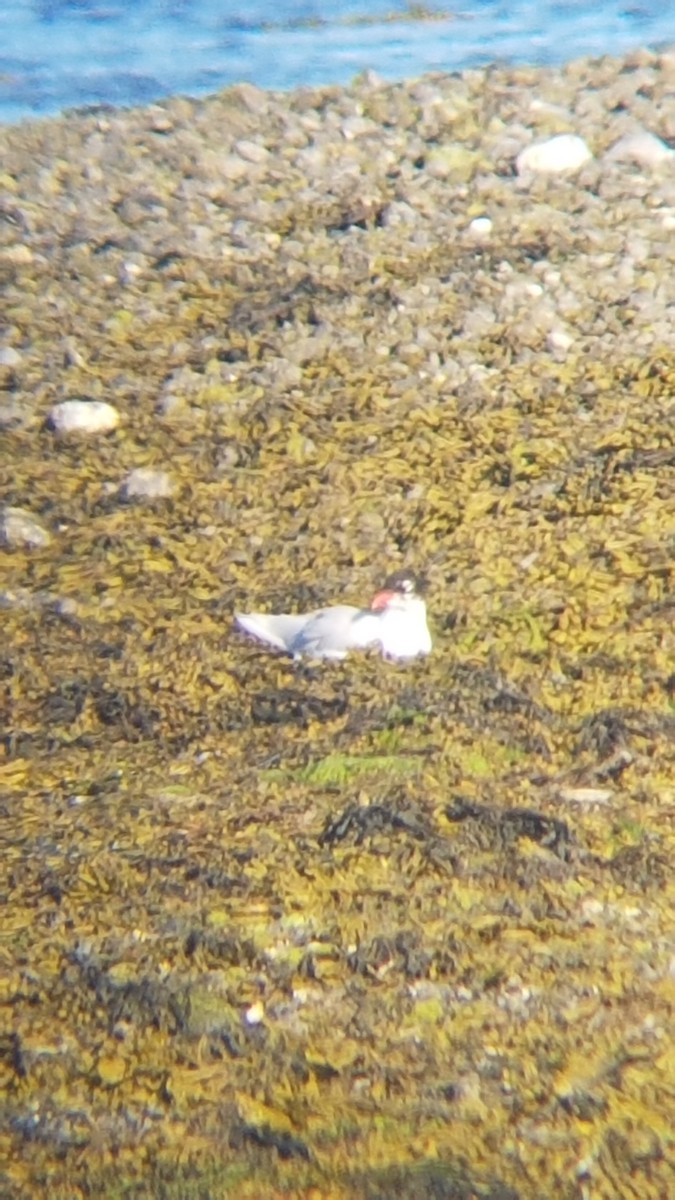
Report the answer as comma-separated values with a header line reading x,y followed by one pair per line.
x,y
148,483
20,530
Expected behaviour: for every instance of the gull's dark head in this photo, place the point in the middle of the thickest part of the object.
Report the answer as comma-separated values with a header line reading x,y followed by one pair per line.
x,y
402,583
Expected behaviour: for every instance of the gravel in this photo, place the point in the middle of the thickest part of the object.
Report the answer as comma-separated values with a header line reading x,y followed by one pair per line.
x,y
110,210
173,271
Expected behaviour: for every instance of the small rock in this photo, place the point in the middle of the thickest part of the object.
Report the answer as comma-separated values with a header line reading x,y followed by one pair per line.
x,y
227,457
232,167
159,120
255,1015
251,152
71,354
18,255
169,403
83,416
559,340
129,272
354,127
19,529
66,606
148,483
586,795
9,357
308,349
641,147
18,598
256,99
565,152
278,372
399,212
480,227
13,414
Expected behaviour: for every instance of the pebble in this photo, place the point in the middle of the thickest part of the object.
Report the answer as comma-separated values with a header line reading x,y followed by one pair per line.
x,y
354,127
232,167
559,340
18,255
641,147
399,213
20,530
83,416
14,414
71,355
255,1015
20,598
288,201
130,272
480,227
565,152
9,357
252,152
148,483
586,795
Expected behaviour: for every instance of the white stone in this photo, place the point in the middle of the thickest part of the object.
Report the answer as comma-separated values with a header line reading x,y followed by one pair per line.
x,y
480,227
250,151
18,528
232,167
147,482
565,152
83,416
641,147
130,272
9,357
560,340
255,1015
354,127
67,606
585,795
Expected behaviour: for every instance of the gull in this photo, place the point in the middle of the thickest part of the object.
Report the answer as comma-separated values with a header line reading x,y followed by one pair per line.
x,y
396,623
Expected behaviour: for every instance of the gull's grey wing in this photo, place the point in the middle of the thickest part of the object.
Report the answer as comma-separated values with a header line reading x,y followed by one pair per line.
x,y
331,632
277,629
326,633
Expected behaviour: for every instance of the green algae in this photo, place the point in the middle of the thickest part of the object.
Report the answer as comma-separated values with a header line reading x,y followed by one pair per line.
x,y
341,768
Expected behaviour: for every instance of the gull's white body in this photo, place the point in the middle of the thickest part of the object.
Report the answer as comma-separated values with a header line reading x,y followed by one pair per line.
x,y
398,627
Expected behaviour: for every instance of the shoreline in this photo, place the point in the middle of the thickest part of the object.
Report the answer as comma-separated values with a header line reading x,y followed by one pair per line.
x,y
190,54
417,137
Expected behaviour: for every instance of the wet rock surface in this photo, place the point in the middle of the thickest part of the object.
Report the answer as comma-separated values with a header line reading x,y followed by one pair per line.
x,y
360,928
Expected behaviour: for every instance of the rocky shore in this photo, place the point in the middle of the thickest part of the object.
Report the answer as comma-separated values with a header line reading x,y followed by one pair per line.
x,y
357,930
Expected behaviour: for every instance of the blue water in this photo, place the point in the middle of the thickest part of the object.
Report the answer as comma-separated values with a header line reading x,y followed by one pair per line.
x,y
57,54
